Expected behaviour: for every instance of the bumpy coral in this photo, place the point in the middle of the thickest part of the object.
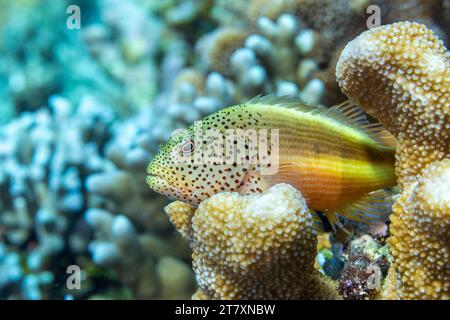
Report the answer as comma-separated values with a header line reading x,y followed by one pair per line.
x,y
64,176
225,42
400,74
253,247
180,214
421,235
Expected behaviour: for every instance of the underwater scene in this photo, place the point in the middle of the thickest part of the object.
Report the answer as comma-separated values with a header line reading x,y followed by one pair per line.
x,y
224,149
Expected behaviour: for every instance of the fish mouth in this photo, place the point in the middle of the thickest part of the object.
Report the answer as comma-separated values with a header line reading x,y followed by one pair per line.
x,y
159,184
154,175
155,179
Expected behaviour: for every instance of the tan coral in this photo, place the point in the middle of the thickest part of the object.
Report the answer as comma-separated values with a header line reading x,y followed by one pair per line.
x,y
180,214
400,74
222,44
192,77
421,11
271,9
254,247
391,286
420,239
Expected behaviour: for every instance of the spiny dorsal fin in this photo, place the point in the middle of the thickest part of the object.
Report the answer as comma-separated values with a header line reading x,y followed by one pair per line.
x,y
353,115
289,102
347,112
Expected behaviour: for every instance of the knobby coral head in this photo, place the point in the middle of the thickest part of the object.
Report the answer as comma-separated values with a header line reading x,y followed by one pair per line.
x,y
421,233
400,74
258,246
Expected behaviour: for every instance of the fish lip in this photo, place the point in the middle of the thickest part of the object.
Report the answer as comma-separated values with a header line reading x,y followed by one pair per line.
x,y
169,184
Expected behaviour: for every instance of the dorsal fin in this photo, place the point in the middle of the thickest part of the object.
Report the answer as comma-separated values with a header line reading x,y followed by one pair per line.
x,y
347,112
350,113
289,102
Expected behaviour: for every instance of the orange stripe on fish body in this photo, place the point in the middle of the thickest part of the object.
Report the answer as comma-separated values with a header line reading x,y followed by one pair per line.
x,y
333,156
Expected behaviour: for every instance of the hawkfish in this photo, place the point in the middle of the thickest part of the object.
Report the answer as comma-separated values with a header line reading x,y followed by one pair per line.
x,y
340,162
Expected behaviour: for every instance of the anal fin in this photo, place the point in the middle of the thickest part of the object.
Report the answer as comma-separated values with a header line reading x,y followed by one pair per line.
x,y
373,207
319,224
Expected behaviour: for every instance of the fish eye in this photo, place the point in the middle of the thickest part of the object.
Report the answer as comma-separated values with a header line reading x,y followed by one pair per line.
x,y
187,147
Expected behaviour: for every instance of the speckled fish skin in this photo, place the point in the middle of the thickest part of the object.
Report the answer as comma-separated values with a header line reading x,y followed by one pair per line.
x,y
331,162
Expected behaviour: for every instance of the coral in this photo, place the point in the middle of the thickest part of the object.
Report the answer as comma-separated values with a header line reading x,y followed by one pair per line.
x,y
27,84
420,231
324,27
264,8
64,177
422,11
222,45
253,247
177,13
175,277
116,237
367,264
391,286
41,180
400,74
333,22
125,51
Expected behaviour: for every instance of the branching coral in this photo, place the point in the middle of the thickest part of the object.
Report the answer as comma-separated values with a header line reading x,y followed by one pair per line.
x,y
41,175
253,247
117,238
400,74
225,41
66,172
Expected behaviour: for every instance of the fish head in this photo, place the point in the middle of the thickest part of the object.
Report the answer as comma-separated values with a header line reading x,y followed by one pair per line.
x,y
192,167
167,172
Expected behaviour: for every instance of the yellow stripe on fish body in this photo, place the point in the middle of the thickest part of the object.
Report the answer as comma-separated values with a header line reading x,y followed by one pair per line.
x,y
334,157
